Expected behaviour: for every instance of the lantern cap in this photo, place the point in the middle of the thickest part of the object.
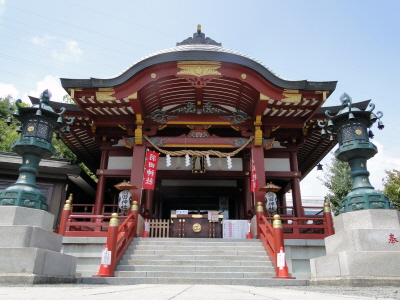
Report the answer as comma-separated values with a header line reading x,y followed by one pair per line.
x,y
270,187
125,186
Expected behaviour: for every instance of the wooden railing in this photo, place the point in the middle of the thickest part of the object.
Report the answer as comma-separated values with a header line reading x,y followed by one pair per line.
x,y
159,228
272,237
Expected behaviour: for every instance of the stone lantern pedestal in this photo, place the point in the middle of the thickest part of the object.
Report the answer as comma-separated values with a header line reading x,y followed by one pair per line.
x,y
364,251
30,251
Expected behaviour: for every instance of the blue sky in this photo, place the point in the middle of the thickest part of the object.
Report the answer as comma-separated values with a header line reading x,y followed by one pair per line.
x,y
354,42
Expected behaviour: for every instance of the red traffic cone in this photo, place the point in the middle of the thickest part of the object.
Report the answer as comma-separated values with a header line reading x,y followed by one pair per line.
x,y
145,233
282,271
105,270
249,234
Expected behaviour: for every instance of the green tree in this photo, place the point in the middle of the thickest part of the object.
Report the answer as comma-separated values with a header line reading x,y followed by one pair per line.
x,y
391,185
338,181
8,134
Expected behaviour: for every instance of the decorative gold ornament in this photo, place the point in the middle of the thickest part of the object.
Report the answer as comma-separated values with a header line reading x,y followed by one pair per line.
x,y
292,96
196,227
23,176
199,68
104,94
244,76
364,179
358,132
362,165
153,75
31,128
101,172
27,161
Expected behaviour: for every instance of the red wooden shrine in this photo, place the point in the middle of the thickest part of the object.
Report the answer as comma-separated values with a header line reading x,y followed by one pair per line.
x,y
198,96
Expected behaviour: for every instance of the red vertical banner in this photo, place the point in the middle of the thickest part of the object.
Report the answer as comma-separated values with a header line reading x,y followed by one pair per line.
x,y
150,169
253,178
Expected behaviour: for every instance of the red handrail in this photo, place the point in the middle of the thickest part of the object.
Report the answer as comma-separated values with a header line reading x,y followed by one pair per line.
x,y
119,239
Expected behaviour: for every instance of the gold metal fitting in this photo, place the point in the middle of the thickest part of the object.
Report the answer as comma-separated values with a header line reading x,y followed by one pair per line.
x,y
67,205
327,207
114,220
134,205
277,223
71,197
259,206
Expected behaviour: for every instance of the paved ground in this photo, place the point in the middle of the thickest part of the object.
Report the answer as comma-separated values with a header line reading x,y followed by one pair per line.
x,y
185,292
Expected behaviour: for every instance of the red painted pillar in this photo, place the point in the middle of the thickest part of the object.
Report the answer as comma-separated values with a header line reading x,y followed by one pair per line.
x,y
281,268
65,215
139,154
295,184
150,202
111,244
259,214
248,200
101,184
135,213
328,219
258,157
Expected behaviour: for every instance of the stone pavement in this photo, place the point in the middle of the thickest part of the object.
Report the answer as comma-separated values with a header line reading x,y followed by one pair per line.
x,y
167,292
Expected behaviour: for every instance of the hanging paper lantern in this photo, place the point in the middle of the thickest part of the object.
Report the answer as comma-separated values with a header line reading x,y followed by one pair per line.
x,y
124,199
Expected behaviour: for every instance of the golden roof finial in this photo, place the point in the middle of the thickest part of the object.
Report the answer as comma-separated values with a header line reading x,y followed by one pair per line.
x,y
199,28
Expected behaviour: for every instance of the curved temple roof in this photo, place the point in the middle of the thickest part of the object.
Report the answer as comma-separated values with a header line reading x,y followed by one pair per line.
x,y
203,52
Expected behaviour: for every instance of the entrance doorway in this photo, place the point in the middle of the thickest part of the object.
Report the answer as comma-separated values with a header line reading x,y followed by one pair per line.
x,y
200,196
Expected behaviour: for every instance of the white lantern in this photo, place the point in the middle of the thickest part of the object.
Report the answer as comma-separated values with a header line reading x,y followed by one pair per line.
x,y
271,203
124,199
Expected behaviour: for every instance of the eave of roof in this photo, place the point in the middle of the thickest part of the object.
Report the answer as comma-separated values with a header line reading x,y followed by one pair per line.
x,y
198,52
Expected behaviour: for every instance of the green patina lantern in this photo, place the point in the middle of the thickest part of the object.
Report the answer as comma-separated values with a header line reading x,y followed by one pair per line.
x,y
352,127
37,125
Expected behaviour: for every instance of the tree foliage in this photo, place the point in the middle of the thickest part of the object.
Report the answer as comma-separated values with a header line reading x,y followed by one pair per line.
x,y
391,185
338,180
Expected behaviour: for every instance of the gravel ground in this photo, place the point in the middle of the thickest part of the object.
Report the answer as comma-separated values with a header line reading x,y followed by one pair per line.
x,y
386,292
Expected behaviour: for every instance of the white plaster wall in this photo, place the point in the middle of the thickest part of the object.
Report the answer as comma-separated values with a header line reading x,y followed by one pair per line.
x,y
119,163
277,164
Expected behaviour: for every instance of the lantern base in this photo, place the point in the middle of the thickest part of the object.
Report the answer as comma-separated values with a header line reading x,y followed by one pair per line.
x,y
364,199
25,196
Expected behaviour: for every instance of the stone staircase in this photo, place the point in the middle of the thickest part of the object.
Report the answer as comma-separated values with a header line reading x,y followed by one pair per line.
x,y
195,261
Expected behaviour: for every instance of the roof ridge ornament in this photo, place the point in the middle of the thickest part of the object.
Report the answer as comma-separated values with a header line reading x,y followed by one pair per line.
x,y
198,38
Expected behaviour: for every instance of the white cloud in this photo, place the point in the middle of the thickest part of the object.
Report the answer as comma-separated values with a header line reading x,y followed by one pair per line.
x,y
71,52
62,50
8,89
43,40
2,6
52,83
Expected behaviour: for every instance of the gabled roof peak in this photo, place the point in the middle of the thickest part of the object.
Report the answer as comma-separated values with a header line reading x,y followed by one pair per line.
x,y
198,38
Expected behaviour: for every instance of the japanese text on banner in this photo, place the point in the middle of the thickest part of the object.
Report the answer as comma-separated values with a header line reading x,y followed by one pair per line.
x,y
253,178
150,169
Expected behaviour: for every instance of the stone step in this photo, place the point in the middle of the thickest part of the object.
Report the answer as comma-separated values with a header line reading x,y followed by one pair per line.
x,y
196,252
205,275
210,262
194,243
211,281
194,257
191,268
246,247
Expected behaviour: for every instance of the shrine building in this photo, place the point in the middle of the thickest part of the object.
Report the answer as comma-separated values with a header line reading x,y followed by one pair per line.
x,y
219,119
